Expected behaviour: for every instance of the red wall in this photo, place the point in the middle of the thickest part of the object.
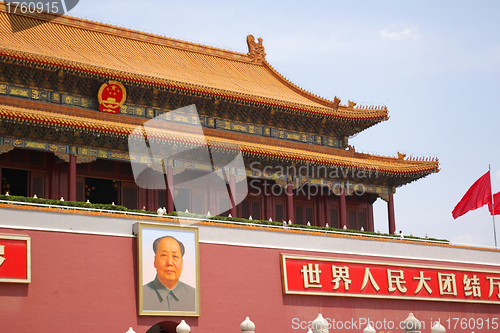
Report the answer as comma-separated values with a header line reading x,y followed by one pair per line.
x,y
87,283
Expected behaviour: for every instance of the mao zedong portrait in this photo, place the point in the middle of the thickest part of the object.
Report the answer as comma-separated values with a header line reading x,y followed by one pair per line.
x,y
166,292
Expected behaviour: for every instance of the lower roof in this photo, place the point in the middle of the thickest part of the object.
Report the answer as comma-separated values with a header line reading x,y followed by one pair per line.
x,y
249,145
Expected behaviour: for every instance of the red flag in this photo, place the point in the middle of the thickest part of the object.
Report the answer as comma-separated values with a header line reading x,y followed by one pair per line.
x,y
496,199
477,196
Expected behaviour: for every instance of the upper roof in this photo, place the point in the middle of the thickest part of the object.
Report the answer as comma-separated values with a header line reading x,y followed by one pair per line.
x,y
93,48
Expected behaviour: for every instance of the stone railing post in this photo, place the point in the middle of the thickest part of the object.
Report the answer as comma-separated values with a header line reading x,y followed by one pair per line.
x,y
412,324
183,327
247,326
438,328
369,329
320,325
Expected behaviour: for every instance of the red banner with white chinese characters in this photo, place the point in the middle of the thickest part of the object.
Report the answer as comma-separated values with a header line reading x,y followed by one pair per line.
x,y
336,277
15,259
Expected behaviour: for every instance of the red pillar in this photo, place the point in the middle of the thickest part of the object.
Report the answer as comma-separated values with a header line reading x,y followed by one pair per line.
x,y
170,190
343,209
142,197
320,217
392,220
212,202
265,199
270,210
327,210
53,181
72,178
150,200
326,207
152,197
289,201
371,224
268,201
232,190
369,209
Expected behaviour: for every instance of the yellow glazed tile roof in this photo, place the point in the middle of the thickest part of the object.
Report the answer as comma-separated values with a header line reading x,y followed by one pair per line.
x,y
398,166
93,48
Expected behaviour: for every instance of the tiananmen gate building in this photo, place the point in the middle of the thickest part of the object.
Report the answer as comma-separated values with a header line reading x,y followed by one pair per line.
x,y
291,231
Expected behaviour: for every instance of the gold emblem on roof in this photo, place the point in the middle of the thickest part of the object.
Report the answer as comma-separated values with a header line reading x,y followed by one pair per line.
x,y
111,97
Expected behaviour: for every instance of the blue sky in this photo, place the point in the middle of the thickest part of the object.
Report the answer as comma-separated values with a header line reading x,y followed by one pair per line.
x,y
435,64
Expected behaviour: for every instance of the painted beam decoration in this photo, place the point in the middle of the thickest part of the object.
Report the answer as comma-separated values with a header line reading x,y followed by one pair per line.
x,y
15,259
150,112
325,276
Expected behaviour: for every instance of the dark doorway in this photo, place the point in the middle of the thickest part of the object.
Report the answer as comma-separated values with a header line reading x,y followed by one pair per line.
x,y
15,182
101,190
164,327
157,329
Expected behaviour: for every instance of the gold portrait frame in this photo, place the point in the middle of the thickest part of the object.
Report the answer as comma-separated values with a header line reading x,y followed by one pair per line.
x,y
146,233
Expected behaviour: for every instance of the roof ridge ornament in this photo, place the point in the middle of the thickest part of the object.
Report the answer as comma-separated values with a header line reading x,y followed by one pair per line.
x,y
256,50
336,103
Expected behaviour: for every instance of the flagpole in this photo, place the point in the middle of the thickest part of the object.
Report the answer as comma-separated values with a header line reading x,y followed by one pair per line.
x,y
493,210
